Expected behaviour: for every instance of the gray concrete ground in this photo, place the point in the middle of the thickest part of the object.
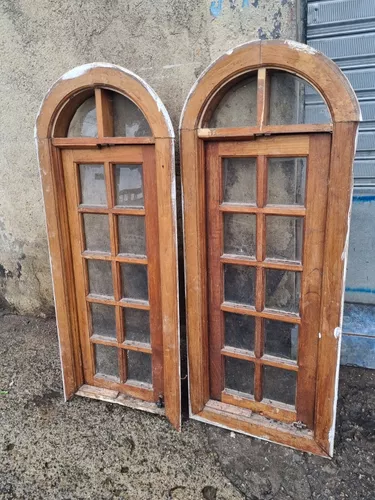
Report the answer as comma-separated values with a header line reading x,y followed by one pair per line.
x,y
90,449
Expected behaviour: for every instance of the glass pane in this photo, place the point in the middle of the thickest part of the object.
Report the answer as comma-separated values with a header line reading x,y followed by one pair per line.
x,y
282,290
239,375
129,186
293,101
239,283
139,367
239,331
281,339
96,228
132,238
83,123
239,180
279,385
137,325
238,107
103,320
100,277
284,237
134,281
92,185
128,119
286,181
106,361
240,234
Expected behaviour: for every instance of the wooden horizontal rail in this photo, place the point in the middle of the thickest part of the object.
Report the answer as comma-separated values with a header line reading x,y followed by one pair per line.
x,y
250,133
84,209
267,264
266,313
110,301
136,390
287,210
89,142
130,346
126,258
265,360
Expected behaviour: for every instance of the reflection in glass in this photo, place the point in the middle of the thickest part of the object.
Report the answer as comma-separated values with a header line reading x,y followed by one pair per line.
x,y
106,361
239,375
282,290
134,281
279,385
294,101
239,180
129,186
83,123
103,320
284,237
128,119
92,182
132,238
286,181
281,339
139,367
239,331
239,284
238,107
137,325
96,229
100,277
239,234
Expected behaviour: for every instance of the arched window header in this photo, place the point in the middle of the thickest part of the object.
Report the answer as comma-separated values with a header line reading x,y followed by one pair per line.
x,y
265,56
77,86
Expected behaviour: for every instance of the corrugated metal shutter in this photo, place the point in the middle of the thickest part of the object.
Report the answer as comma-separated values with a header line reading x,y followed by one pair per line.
x,y
344,30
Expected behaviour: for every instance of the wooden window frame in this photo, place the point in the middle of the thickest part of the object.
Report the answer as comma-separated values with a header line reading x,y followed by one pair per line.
x,y
326,77
52,124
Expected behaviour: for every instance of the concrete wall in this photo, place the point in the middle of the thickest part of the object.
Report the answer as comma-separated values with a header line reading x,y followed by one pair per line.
x,y
167,42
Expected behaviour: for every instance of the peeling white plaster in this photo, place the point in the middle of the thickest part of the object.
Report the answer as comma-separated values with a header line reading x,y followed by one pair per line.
x,y
81,70
301,47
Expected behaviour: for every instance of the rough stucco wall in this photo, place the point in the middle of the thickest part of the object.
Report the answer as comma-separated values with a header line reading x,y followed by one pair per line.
x,y
168,43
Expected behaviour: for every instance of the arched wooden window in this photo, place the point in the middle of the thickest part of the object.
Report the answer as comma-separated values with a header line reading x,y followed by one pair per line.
x,y
105,144
268,137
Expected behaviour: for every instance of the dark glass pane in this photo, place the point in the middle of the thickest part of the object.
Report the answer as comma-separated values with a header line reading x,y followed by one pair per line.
x,y
239,375
238,107
134,281
239,180
294,101
281,339
83,123
284,237
283,290
129,186
279,385
137,325
93,191
132,237
106,361
240,234
139,367
239,331
286,181
128,119
96,228
103,320
239,284
100,277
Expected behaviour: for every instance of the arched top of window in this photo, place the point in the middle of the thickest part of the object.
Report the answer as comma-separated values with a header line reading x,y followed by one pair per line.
x,y
102,100
270,83
120,117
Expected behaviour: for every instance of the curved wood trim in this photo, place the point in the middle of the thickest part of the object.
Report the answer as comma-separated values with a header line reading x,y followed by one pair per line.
x,y
302,60
90,76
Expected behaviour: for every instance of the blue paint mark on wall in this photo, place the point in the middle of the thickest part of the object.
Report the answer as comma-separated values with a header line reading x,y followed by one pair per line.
x,y
363,199
360,290
246,3
216,7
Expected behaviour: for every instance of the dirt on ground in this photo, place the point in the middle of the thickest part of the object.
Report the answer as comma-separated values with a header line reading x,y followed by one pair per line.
x,y
87,449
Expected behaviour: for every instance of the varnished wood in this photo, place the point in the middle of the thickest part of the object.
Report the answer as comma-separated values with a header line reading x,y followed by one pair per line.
x,y
266,313
268,263
279,146
262,98
268,210
265,360
104,112
100,142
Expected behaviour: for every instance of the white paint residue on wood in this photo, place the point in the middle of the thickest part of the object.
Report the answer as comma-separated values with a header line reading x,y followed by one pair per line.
x,y
301,47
